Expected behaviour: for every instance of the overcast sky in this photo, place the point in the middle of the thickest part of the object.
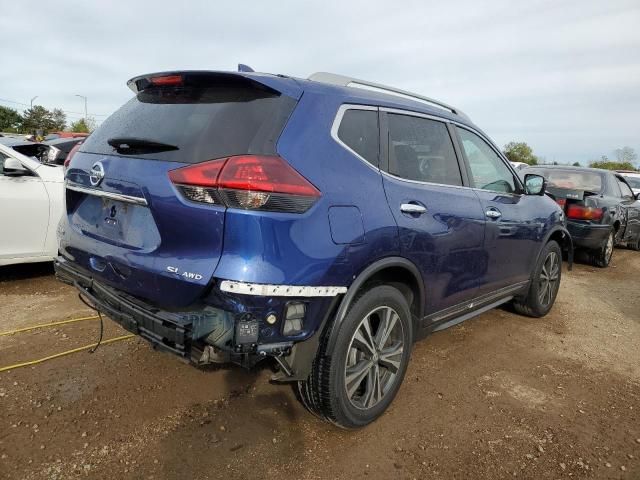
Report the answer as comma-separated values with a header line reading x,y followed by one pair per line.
x,y
564,76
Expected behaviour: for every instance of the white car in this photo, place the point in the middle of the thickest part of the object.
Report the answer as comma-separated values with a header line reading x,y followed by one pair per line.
x,y
633,179
31,204
519,165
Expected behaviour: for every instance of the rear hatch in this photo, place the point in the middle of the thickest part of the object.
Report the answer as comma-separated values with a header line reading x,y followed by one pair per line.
x,y
129,225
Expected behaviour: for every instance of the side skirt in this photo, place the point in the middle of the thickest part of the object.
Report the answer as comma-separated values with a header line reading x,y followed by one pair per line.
x,y
462,312
444,325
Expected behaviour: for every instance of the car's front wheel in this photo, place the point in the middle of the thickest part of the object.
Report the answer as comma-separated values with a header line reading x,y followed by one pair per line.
x,y
545,283
357,382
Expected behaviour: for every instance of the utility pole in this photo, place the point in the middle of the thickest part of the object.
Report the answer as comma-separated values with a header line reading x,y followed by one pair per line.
x,y
85,106
33,100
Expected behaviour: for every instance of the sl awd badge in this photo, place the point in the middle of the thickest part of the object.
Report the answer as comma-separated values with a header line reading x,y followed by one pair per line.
x,y
188,275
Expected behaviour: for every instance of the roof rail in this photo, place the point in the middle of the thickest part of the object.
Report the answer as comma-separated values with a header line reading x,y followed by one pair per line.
x,y
343,81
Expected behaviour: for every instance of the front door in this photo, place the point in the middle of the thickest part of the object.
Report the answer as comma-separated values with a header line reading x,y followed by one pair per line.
x,y
512,227
440,222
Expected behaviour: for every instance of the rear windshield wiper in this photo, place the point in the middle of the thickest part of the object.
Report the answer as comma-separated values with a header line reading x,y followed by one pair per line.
x,y
132,145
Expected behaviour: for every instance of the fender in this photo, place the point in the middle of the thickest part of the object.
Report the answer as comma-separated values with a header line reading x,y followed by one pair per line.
x,y
360,280
567,242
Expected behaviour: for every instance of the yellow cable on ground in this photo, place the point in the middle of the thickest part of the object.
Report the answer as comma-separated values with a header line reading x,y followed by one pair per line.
x,y
50,357
42,325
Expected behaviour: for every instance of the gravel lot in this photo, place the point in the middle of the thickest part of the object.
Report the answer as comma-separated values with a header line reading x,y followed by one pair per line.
x,y
500,396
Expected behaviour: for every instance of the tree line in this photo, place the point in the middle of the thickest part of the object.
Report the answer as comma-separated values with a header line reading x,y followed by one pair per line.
x,y
39,118
625,157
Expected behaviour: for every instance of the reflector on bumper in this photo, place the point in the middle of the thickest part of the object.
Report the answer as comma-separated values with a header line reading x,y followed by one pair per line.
x,y
265,290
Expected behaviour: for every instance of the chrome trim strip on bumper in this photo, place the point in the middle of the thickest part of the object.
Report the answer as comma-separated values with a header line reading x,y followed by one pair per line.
x,y
265,290
101,193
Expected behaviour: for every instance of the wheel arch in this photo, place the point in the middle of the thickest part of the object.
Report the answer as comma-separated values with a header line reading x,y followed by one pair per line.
x,y
561,235
395,271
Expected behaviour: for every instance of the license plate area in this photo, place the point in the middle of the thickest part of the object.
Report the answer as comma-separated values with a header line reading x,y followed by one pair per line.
x,y
115,219
116,222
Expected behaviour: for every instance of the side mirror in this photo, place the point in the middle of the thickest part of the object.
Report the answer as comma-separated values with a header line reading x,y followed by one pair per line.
x,y
13,168
534,184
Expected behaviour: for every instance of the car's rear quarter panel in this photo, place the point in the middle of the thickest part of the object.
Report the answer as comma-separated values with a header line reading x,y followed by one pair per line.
x,y
299,249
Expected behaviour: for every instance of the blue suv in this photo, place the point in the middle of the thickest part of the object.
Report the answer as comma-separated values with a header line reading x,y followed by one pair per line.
x,y
325,224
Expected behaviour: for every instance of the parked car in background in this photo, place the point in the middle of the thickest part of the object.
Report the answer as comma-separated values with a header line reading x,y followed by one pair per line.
x,y
633,179
320,224
54,135
36,150
519,165
31,199
60,148
602,211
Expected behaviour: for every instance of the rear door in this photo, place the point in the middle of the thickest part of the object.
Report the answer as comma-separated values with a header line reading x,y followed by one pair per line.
x,y
440,222
512,221
130,226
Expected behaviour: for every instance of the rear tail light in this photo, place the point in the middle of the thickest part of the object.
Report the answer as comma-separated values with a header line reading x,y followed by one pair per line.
x,y
580,212
251,182
70,155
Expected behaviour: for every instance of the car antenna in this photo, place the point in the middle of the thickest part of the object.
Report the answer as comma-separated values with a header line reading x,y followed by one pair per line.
x,y
245,68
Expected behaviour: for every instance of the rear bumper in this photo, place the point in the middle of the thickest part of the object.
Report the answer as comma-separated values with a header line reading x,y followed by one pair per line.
x,y
170,332
206,334
588,235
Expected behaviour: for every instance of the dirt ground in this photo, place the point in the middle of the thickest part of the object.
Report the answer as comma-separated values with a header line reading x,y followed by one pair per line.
x,y
500,396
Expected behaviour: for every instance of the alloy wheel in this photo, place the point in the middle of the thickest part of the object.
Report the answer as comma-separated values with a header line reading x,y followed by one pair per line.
x,y
374,357
549,278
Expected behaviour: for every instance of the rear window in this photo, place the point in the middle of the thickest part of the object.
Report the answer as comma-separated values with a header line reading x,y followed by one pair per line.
x,y
230,117
573,179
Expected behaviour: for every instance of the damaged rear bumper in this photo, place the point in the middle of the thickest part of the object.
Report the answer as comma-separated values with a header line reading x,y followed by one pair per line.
x,y
204,334
173,332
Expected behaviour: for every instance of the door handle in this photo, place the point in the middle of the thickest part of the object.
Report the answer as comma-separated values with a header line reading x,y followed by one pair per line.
x,y
412,208
493,213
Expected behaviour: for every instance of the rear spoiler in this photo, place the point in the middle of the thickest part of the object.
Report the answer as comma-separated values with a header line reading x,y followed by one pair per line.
x,y
276,83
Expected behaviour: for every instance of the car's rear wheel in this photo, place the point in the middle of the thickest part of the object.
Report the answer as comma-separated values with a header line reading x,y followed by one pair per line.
x,y
602,256
544,284
356,383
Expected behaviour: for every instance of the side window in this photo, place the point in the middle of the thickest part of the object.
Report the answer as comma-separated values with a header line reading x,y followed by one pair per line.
x,y
359,131
487,168
624,188
421,149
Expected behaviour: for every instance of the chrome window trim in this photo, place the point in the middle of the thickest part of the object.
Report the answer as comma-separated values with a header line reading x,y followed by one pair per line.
x,y
101,193
418,182
336,126
270,290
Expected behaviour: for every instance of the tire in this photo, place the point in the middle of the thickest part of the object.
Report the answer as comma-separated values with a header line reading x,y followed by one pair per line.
x,y
544,284
602,256
340,388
